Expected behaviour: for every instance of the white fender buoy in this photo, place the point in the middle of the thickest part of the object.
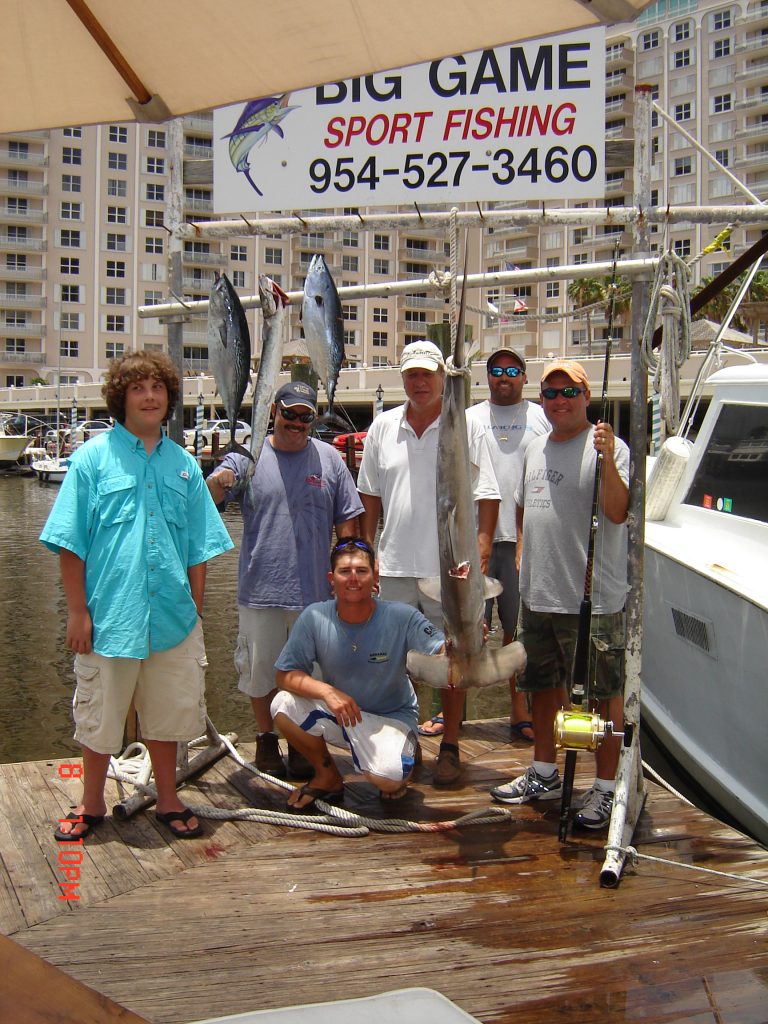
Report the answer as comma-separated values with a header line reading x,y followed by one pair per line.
x,y
665,476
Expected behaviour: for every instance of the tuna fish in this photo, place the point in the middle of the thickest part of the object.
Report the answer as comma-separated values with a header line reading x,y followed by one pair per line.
x,y
258,119
323,325
273,309
229,349
461,588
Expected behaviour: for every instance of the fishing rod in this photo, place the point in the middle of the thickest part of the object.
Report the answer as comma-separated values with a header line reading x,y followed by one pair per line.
x,y
574,729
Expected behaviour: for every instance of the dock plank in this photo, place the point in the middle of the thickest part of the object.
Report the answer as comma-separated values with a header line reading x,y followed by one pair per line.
x,y
504,920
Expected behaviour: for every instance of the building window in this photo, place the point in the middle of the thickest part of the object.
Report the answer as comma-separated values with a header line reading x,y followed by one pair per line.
x,y
117,215
681,59
71,183
117,187
721,48
155,165
380,314
579,336
115,296
381,243
349,312
16,234
152,244
69,321
381,266
156,138
153,298
655,146
19,150
72,133
238,278
117,161
273,257
115,323
15,319
683,165
350,338
649,40
721,20
192,249
69,349
153,218
351,239
722,104
553,289
115,349
71,155
15,345
156,193
682,247
380,339
681,31
118,133
682,111
70,293
70,211
115,242
581,257
14,380
69,265
115,268
723,156
15,261
350,263
70,239
238,253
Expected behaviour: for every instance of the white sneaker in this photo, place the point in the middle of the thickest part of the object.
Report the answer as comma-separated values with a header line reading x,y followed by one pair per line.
x,y
596,809
527,787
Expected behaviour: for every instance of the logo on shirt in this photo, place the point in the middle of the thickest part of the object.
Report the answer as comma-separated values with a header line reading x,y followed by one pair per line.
x,y
184,474
377,657
315,480
429,630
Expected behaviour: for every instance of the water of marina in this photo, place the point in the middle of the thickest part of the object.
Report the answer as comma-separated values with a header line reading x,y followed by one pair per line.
x,y
36,678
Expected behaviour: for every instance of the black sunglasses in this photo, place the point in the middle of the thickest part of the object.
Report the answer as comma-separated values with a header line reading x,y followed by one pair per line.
x,y
499,371
288,414
569,392
352,542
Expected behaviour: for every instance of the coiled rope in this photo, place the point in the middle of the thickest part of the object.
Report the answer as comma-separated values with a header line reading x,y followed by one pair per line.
x,y
670,291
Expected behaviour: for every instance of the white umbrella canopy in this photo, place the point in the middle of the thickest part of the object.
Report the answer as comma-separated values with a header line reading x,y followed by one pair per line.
x,y
92,61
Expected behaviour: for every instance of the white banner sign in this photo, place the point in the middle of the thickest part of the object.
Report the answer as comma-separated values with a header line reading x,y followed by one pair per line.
x,y
525,121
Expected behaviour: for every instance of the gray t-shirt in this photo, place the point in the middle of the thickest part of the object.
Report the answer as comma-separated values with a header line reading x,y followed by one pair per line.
x,y
287,533
374,674
556,497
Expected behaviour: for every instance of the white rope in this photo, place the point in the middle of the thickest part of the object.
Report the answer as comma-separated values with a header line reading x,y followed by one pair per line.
x,y
665,785
670,290
454,251
634,855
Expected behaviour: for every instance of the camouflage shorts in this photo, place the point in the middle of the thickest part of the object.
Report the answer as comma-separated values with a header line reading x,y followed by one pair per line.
x,y
550,643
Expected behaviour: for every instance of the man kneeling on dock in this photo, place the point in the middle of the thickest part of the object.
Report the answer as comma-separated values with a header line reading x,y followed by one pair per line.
x,y
364,700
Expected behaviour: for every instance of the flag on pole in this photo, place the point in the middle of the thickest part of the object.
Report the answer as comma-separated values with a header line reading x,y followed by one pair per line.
x,y
520,306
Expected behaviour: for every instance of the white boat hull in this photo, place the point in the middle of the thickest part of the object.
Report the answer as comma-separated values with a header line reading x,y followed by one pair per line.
x,y
50,471
11,449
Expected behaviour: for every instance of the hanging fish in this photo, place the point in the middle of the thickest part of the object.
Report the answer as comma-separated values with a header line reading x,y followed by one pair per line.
x,y
229,350
258,119
323,323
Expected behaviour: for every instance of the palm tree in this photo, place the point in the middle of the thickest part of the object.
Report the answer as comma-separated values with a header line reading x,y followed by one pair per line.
x,y
717,307
586,292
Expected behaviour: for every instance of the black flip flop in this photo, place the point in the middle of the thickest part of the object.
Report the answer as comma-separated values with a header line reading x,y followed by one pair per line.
x,y
168,817
328,796
88,820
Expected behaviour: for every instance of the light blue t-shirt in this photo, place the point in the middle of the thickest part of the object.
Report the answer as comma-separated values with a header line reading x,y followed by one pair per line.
x,y
138,523
374,674
299,497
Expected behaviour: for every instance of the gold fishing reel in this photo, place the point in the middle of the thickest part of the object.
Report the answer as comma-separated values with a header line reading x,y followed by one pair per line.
x,y
581,730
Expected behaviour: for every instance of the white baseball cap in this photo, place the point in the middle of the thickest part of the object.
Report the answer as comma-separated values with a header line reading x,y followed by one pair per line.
x,y
421,355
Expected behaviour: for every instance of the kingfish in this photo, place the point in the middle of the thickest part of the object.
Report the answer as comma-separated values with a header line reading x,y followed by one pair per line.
x,y
273,309
461,587
229,350
323,324
257,120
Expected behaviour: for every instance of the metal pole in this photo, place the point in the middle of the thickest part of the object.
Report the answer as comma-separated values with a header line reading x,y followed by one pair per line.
x,y
175,214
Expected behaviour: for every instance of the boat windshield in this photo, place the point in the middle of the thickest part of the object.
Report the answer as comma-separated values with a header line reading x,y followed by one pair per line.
x,y
732,476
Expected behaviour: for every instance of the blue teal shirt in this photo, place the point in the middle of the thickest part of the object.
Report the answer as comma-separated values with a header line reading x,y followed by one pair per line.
x,y
138,522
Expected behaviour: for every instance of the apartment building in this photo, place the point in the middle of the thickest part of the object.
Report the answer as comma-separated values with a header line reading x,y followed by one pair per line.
x,y
83,241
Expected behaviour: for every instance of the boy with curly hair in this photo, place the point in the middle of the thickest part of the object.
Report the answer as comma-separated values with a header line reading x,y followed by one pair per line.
x,y
134,526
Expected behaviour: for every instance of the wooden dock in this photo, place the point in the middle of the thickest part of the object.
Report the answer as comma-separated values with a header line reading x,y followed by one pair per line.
x,y
502,919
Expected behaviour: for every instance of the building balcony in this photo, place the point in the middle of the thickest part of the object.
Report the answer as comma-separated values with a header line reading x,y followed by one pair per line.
x,y
755,104
208,259
612,187
756,42
31,216
756,71
198,124
621,107
24,188
619,56
418,302
23,358
8,159
410,252
198,152
414,327
320,245
753,160
22,330
194,366
752,132
515,254
9,243
198,205
10,301
756,17
197,284
518,231
23,274
622,82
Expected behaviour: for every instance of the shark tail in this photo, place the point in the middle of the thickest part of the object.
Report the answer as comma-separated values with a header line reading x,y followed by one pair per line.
x,y
493,666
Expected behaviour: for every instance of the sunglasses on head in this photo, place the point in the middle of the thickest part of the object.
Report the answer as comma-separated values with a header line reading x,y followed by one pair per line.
x,y
499,371
352,542
568,392
290,415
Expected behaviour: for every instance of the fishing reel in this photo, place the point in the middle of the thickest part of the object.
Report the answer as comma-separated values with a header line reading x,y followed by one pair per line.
x,y
581,730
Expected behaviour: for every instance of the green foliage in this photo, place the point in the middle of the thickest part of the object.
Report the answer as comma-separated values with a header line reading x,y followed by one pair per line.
x,y
717,307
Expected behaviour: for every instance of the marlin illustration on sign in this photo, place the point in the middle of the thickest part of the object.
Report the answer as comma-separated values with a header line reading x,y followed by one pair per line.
x,y
461,588
258,119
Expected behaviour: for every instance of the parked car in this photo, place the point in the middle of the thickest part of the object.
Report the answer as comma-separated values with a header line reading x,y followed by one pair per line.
x,y
340,443
242,433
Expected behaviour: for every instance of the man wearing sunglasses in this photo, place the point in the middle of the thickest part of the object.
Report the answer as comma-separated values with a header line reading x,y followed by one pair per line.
x,y
302,490
510,424
554,511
